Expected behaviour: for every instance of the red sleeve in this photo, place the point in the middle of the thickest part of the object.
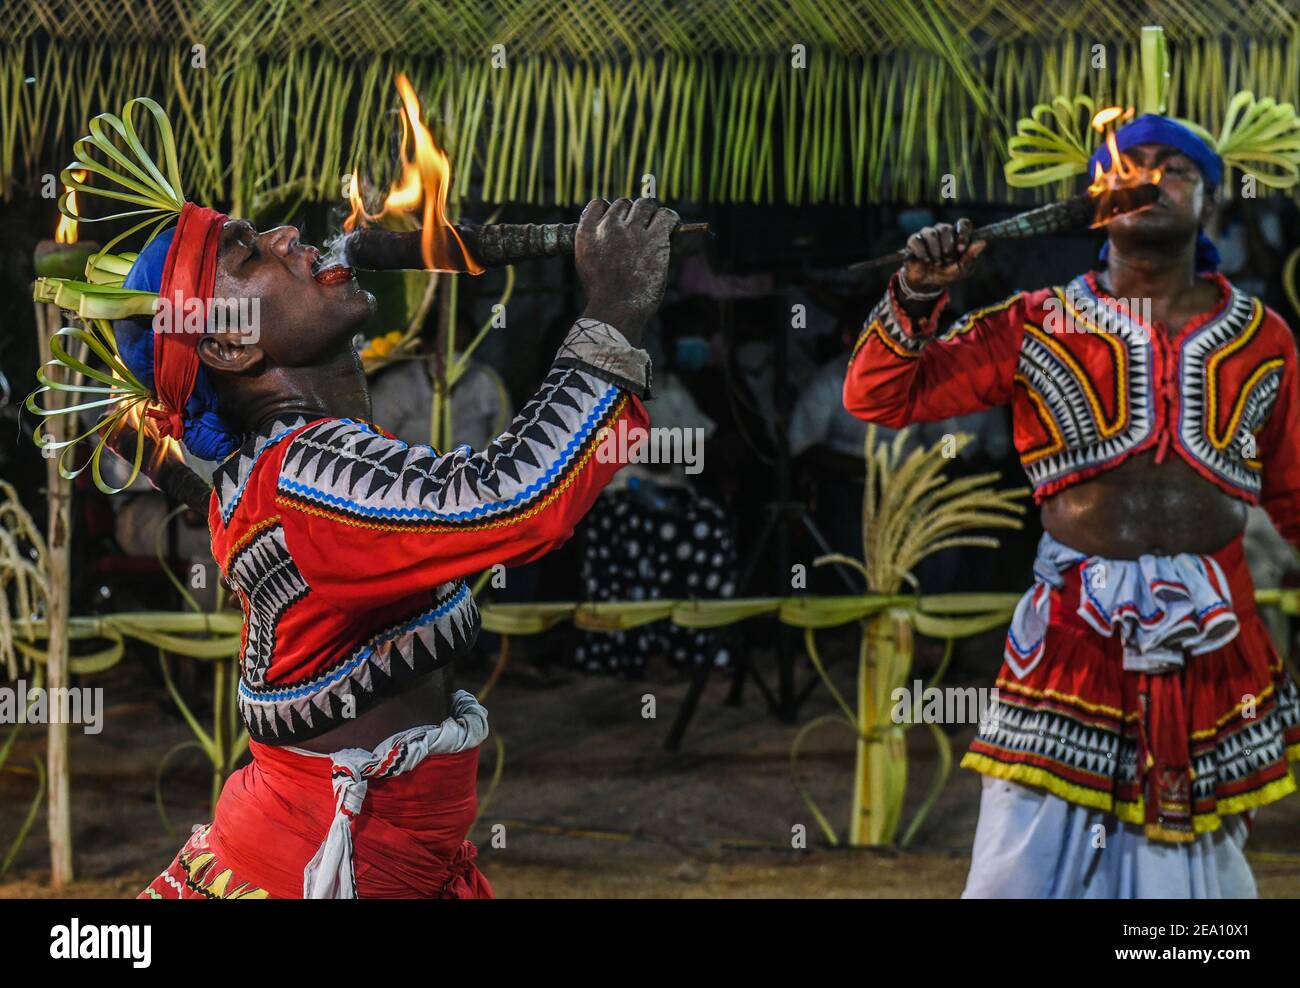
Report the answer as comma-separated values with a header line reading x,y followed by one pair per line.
x,y
902,373
1279,444
369,519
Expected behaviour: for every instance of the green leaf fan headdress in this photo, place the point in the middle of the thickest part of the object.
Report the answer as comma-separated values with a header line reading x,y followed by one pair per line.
x,y
1259,137
93,377
132,178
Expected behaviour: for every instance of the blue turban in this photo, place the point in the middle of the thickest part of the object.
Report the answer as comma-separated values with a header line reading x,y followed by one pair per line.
x,y
1151,128
207,435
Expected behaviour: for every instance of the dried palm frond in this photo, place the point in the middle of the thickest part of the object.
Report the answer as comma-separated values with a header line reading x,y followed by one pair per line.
x,y
364,29
1259,137
911,510
888,103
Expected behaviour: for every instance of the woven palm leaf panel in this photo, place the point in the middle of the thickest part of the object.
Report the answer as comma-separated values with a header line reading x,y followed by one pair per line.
x,y
592,96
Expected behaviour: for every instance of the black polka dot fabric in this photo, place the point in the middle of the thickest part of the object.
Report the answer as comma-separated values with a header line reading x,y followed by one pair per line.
x,y
669,544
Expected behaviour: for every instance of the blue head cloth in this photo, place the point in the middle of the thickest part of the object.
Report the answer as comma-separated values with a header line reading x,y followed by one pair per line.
x,y
207,435
1151,128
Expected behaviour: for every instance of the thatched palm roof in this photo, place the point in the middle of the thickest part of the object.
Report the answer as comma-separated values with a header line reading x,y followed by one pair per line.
x,y
699,93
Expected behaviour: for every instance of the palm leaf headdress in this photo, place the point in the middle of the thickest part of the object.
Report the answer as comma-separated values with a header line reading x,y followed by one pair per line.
x,y
87,368
1260,137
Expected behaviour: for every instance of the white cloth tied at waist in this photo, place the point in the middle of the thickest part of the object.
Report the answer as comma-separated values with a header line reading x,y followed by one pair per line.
x,y
329,874
1163,606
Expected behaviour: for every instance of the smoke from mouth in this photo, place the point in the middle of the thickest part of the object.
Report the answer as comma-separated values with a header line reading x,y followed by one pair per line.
x,y
332,265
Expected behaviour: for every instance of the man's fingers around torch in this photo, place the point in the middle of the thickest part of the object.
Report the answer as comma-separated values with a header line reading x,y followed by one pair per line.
x,y
617,213
973,251
592,213
642,212
947,240
664,221
930,240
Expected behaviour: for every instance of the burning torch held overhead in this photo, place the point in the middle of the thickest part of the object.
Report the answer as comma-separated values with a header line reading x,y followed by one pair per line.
x,y
1124,187
420,193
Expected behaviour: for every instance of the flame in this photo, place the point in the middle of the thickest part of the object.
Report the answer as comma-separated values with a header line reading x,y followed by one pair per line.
x,y
1123,173
165,448
423,186
66,231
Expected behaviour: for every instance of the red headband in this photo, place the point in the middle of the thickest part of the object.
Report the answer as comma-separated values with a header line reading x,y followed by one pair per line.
x,y
190,271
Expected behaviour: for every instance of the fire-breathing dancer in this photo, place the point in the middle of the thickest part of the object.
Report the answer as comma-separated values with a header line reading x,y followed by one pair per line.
x,y
348,549
1143,713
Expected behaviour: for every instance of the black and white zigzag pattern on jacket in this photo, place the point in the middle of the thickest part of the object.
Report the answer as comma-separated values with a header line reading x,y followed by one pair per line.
x,y
603,350
883,314
380,666
1241,314
1058,384
345,467
231,477
269,583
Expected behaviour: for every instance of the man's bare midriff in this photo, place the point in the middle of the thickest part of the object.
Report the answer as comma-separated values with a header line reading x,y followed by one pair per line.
x,y
1142,507
426,701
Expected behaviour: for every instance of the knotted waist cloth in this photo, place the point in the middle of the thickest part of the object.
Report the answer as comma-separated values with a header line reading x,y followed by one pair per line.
x,y
387,823
1148,688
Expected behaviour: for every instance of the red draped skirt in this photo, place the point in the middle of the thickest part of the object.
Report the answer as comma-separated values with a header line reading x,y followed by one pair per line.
x,y
409,839
1173,752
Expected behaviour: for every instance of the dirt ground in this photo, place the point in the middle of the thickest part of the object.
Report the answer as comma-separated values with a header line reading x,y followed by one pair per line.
x,y
590,804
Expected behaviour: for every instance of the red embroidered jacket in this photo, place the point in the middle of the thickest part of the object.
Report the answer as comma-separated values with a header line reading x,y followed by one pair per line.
x,y
1090,384
348,548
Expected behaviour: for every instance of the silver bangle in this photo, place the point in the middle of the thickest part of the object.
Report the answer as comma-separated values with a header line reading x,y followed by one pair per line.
x,y
912,295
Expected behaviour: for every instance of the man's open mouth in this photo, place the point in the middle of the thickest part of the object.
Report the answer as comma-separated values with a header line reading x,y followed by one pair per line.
x,y
330,273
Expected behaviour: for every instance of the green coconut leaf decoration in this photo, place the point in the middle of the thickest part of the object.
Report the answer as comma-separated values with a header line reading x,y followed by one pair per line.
x,y
1154,67
114,151
110,269
1052,144
87,373
589,98
104,388
1259,137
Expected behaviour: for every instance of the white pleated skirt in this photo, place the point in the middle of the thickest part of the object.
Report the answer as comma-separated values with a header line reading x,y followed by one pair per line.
x,y
1030,844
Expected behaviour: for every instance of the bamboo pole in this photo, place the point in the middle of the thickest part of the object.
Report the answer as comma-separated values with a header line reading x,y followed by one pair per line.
x,y
880,768
860,814
58,563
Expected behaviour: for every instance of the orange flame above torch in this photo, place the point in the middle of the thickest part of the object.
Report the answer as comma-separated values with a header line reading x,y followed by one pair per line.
x,y
423,185
1123,173
66,231
164,448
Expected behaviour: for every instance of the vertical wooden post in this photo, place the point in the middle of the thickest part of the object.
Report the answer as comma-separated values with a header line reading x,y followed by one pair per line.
x,y
446,341
443,368
58,561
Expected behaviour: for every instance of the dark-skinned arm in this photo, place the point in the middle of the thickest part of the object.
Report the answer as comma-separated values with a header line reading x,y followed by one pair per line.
x,y
370,519
183,485
902,371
